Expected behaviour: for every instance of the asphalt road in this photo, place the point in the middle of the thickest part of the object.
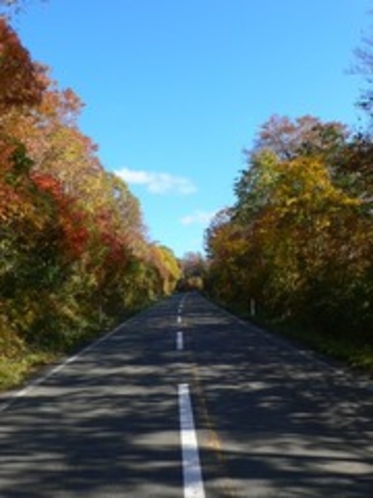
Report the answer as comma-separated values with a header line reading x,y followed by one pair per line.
x,y
271,420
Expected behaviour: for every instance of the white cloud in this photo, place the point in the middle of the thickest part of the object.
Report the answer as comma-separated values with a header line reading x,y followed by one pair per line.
x,y
157,182
198,217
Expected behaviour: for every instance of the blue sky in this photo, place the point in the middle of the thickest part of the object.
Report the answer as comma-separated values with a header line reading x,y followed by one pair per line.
x,y
175,89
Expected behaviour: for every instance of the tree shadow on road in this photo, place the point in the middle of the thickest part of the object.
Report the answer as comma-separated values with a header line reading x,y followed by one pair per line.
x,y
284,425
106,425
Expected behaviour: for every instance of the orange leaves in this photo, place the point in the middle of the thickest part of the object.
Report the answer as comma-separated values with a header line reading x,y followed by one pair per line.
x,y
57,106
70,231
18,76
301,225
48,183
10,203
15,195
75,233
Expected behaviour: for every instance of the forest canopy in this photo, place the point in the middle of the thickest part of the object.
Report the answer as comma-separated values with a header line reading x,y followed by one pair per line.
x,y
299,239
74,249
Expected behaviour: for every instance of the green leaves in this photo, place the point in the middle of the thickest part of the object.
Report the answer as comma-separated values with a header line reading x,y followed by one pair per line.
x,y
74,254
299,238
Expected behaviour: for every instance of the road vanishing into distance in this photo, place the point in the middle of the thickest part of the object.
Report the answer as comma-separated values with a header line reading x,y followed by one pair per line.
x,y
185,400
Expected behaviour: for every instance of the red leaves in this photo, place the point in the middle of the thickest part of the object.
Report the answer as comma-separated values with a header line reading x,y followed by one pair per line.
x,y
49,184
70,231
19,84
73,223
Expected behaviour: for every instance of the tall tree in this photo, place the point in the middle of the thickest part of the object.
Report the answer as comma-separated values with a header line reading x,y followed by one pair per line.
x,y
299,236
74,251
288,138
364,66
19,82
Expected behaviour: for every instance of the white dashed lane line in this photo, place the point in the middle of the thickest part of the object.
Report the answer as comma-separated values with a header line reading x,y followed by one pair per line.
x,y
192,474
179,341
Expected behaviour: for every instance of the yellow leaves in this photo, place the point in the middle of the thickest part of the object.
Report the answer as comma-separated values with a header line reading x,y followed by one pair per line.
x,y
303,185
290,201
300,237
165,262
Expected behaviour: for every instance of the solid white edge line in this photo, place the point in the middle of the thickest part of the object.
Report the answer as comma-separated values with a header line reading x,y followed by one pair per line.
x,y
39,380
192,474
310,355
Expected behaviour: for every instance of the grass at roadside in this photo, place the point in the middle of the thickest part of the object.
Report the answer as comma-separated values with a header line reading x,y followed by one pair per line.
x,y
19,360
356,354
14,370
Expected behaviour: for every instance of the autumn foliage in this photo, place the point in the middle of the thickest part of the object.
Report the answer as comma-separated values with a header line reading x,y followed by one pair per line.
x,y
18,82
299,239
74,254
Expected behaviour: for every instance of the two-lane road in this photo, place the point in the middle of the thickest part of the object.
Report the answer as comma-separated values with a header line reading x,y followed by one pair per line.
x,y
118,419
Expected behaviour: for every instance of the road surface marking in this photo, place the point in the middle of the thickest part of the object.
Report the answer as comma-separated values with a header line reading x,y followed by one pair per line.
x,y
39,380
179,319
193,483
179,341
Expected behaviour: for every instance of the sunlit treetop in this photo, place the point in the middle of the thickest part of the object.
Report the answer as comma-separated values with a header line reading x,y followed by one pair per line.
x,y
19,82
